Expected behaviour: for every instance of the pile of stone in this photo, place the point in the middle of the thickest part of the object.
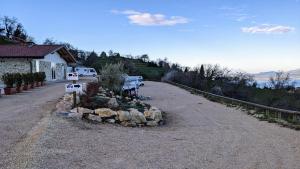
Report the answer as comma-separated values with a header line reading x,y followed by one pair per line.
x,y
132,113
130,118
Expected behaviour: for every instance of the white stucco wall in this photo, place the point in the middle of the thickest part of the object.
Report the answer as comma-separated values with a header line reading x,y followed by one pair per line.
x,y
56,61
54,58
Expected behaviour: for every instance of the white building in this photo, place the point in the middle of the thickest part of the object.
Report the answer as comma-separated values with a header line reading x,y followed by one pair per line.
x,y
51,59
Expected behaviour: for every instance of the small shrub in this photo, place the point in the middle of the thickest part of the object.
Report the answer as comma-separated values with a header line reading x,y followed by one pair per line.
x,y
31,78
9,80
36,77
112,76
26,78
42,76
18,79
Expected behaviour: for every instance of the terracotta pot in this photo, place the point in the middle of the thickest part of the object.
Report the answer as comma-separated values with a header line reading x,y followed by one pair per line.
x,y
9,91
25,87
19,89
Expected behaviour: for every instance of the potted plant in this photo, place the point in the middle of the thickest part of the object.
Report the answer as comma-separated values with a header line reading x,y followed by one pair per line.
x,y
36,79
19,81
31,80
9,81
42,77
25,77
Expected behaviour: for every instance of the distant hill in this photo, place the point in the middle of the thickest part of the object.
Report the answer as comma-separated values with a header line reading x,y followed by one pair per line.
x,y
295,74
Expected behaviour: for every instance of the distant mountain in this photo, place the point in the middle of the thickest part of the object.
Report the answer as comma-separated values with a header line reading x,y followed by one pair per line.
x,y
295,74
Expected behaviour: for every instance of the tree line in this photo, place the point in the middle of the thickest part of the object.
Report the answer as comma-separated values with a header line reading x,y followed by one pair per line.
x,y
280,92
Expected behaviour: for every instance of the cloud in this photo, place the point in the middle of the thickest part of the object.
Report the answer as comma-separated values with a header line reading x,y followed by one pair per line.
x,y
148,19
236,13
268,29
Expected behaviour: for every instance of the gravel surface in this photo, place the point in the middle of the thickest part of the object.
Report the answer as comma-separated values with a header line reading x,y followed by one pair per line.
x,y
23,118
199,134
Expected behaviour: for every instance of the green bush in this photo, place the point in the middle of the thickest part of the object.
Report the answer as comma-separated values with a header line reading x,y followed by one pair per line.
x,y
26,78
18,79
42,76
30,78
9,80
112,76
36,77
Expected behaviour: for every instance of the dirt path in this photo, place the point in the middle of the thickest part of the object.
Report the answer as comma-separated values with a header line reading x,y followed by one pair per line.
x,y
199,134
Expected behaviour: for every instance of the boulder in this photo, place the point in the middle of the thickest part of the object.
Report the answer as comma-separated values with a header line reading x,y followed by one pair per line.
x,y
81,110
136,116
94,118
123,116
110,121
105,112
152,123
128,124
112,103
153,114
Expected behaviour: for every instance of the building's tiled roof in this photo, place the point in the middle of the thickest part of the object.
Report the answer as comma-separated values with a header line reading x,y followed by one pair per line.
x,y
32,51
27,50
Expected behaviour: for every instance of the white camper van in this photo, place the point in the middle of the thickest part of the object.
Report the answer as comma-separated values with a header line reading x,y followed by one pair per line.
x,y
84,71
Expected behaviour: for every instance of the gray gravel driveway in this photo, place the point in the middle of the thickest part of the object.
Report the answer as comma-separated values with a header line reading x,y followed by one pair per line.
x,y
199,134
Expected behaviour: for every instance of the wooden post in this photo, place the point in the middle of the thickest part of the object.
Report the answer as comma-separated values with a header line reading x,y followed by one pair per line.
x,y
74,93
294,117
279,115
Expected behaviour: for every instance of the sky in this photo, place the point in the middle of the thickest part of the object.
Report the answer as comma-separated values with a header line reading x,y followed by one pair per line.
x,y
246,35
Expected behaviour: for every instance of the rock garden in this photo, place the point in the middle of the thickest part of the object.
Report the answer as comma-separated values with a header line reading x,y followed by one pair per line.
x,y
102,103
103,106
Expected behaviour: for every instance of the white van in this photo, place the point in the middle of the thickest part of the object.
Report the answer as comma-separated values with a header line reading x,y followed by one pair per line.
x,y
84,71
138,79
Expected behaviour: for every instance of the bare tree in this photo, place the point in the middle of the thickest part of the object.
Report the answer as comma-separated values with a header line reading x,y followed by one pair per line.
x,y
281,80
9,25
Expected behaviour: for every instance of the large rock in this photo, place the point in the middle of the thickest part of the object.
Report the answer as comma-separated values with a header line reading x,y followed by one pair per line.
x,y
111,121
128,124
137,117
82,110
105,112
153,114
123,116
152,123
112,103
94,118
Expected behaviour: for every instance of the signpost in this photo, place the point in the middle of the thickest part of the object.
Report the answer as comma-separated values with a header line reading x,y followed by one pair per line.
x,y
73,87
72,76
77,88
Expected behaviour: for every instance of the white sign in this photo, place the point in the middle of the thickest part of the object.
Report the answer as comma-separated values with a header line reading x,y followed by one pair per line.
x,y
73,88
72,76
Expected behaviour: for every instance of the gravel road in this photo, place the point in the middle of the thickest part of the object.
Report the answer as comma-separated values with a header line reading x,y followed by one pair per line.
x,y
20,113
199,134
23,118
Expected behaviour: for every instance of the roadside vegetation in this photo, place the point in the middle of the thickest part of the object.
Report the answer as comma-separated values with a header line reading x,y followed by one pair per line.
x,y
280,94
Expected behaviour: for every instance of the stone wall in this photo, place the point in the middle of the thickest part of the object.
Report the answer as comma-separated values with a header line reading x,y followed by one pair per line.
x,y
45,66
60,71
14,66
